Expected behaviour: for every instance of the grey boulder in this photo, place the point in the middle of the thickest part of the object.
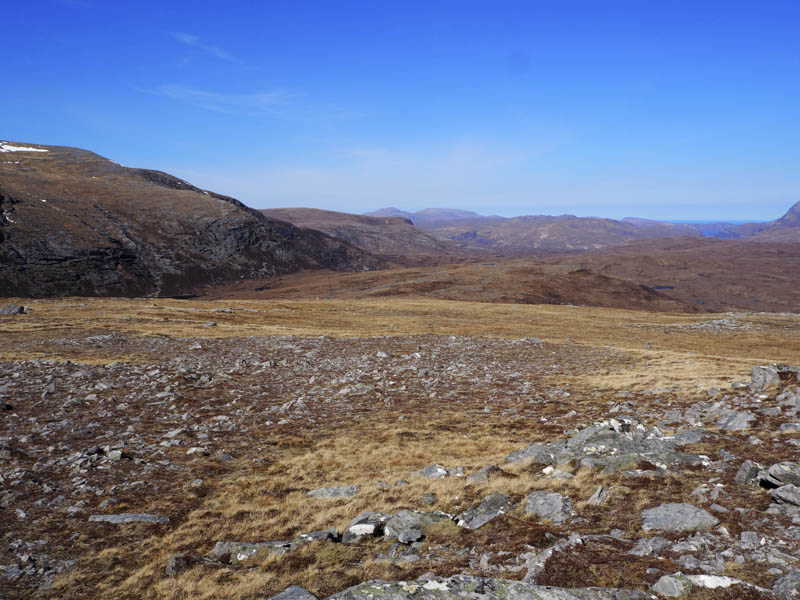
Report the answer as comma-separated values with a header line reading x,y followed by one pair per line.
x,y
407,525
677,517
764,376
549,506
787,587
493,505
673,586
781,473
736,421
787,494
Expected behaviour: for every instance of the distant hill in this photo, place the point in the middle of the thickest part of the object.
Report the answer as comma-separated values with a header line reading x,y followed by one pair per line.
x,y
427,215
537,234
394,238
75,223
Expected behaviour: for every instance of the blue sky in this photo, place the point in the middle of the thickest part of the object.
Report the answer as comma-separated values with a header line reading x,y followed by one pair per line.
x,y
653,109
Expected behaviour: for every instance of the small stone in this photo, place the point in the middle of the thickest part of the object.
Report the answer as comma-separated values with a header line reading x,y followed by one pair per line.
x,y
343,491
12,309
128,518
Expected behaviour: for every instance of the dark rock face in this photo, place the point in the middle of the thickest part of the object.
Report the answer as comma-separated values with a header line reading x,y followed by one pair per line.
x,y
74,223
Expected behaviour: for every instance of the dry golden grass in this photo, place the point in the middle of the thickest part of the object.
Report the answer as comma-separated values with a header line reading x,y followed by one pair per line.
x,y
674,356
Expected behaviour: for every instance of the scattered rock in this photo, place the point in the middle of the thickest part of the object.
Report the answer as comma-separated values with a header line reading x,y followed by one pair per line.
x,y
13,309
653,546
493,505
365,524
236,552
484,474
478,588
294,592
764,376
787,494
748,473
323,535
549,506
343,491
736,421
673,586
128,518
677,517
407,525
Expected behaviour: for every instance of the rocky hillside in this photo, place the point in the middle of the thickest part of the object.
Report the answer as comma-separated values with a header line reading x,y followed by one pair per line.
x,y
392,237
75,223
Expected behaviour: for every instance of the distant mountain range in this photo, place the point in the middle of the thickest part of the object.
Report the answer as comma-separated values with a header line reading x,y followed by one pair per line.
x,y
527,234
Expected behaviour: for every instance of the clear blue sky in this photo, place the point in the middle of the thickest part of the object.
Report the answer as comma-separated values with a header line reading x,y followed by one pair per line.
x,y
654,109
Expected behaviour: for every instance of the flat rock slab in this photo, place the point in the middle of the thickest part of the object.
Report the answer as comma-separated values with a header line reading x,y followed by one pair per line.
x,y
294,592
478,588
128,518
327,493
493,505
677,517
549,506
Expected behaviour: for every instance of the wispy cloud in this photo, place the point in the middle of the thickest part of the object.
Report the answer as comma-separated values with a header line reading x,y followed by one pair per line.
x,y
193,40
271,102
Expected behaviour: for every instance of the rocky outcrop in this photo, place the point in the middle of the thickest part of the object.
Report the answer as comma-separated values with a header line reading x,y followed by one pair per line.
x,y
74,223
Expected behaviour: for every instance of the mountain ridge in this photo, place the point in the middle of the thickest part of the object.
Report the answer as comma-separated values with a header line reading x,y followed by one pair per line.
x,y
75,223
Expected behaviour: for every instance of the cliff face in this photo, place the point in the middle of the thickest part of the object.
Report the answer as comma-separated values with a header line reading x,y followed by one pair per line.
x,y
74,223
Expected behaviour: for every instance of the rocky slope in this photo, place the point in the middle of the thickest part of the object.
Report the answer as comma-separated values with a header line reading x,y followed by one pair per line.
x,y
75,223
